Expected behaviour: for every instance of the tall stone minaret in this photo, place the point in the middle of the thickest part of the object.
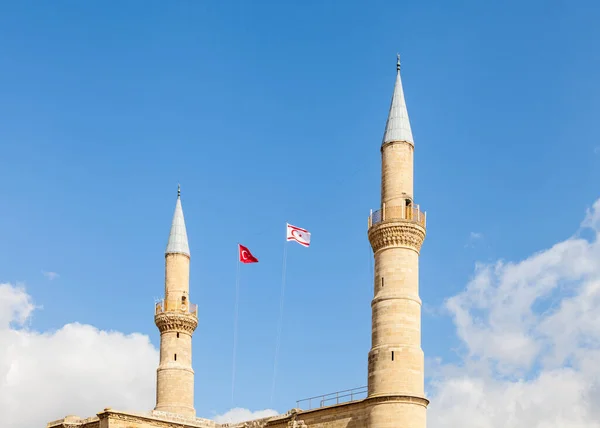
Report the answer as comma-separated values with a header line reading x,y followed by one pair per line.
x,y
176,319
396,397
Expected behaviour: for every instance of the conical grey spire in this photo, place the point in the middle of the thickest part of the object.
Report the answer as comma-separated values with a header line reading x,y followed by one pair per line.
x,y
397,127
178,242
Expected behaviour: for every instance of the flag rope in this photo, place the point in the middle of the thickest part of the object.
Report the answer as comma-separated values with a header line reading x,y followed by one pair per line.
x,y
280,323
235,324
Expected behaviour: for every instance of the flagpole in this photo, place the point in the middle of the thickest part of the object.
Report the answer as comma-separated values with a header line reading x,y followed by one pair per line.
x,y
280,323
235,321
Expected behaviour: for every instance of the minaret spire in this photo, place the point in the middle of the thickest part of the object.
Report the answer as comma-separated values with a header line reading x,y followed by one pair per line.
x,y
397,127
178,241
176,318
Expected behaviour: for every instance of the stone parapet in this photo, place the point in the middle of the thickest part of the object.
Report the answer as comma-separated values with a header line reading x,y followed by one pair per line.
x,y
154,419
255,423
73,421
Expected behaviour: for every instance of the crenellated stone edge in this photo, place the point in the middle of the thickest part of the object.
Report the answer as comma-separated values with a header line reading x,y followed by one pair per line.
x,y
173,321
396,233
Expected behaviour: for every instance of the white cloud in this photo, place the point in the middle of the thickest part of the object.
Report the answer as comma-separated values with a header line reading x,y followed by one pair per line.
x,y
474,237
50,275
241,415
76,369
592,217
531,337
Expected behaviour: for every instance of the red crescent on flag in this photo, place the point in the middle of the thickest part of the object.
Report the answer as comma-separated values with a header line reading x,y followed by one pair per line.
x,y
301,236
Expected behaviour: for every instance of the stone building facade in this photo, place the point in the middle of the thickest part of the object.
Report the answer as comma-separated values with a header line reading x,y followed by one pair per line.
x,y
395,393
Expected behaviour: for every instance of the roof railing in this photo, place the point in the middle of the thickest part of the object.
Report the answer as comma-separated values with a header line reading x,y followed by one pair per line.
x,y
176,306
333,398
410,213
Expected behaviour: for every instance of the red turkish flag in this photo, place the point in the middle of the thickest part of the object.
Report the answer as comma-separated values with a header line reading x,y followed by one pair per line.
x,y
246,256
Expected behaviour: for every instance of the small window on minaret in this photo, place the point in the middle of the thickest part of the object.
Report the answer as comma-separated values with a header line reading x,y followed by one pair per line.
x,y
392,355
382,281
176,357
177,335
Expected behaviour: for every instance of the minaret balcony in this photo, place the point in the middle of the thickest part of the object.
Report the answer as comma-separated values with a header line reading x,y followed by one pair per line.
x,y
176,306
411,213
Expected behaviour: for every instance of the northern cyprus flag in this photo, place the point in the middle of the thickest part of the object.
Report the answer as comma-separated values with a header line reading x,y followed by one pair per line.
x,y
301,236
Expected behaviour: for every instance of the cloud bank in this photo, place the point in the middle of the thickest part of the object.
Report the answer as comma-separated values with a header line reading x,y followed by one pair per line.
x,y
77,369
530,332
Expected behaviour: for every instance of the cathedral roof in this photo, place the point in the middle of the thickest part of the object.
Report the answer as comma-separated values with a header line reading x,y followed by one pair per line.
x,y
178,242
397,127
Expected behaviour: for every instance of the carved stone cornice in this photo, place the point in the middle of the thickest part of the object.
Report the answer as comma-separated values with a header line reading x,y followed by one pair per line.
x,y
297,424
421,401
174,321
72,421
259,423
133,419
396,233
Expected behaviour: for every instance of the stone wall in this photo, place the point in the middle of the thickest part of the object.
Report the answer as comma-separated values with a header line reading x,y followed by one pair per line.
x,y
115,419
346,415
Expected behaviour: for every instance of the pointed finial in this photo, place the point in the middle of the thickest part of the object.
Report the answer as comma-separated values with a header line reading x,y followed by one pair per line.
x,y
397,127
178,242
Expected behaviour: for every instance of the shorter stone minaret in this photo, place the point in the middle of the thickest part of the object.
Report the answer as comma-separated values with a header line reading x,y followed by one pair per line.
x,y
176,319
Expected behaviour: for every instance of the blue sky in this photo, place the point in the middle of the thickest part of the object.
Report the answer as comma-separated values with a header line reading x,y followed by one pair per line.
x,y
265,113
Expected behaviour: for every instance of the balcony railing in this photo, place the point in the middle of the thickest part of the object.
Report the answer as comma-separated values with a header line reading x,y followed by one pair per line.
x,y
333,398
176,306
398,212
